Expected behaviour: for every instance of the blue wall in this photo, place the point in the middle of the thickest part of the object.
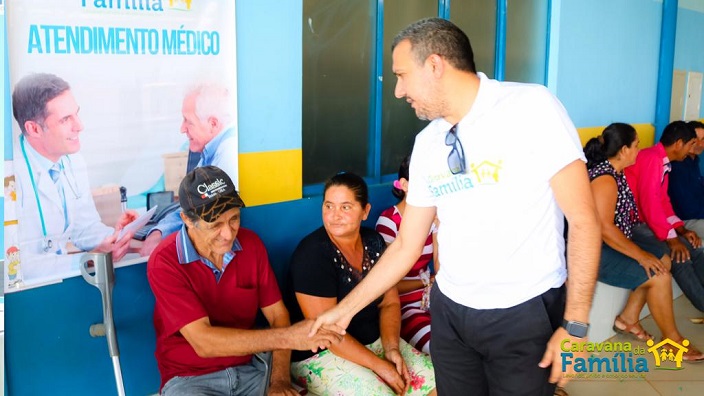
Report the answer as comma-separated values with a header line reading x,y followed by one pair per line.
x,y
608,60
48,349
270,70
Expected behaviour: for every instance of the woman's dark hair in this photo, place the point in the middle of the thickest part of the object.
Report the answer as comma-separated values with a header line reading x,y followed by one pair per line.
x,y
402,174
353,182
609,143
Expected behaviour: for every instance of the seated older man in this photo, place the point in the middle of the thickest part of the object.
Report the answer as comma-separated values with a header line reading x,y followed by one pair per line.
x,y
209,280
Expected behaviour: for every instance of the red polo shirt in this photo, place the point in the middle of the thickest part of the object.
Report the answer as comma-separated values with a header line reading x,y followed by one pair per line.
x,y
186,289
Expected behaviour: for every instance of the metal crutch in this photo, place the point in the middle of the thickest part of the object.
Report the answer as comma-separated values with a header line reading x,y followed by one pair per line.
x,y
97,270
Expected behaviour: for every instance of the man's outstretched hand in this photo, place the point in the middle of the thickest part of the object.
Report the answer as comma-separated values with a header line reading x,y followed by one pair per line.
x,y
331,320
301,340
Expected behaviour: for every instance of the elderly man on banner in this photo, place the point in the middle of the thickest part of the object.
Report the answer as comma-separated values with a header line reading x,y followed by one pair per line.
x,y
56,212
209,126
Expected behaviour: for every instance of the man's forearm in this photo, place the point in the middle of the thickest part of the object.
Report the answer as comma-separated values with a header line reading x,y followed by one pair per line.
x,y
392,267
281,360
574,196
222,341
583,252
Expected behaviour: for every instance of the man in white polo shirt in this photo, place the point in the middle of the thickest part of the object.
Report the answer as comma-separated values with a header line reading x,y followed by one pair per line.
x,y
499,164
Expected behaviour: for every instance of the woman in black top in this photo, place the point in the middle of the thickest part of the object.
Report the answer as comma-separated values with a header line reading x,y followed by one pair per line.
x,y
326,266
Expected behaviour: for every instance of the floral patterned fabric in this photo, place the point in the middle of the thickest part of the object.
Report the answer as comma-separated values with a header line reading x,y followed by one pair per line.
x,y
626,212
328,374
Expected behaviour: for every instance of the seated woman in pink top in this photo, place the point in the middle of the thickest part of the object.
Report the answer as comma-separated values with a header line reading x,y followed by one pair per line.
x,y
414,288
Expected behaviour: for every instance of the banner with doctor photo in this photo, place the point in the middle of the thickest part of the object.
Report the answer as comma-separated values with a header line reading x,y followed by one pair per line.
x,y
126,120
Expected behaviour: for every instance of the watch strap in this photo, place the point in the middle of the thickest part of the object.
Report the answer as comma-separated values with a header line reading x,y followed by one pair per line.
x,y
575,328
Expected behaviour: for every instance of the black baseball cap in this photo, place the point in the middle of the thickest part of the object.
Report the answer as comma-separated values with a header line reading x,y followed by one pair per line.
x,y
208,192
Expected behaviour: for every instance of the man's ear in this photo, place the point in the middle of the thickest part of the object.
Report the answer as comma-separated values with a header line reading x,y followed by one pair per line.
x,y
33,128
214,124
437,64
186,220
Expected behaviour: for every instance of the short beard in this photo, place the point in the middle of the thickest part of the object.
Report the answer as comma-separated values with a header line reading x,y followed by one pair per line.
x,y
422,116
436,107
433,112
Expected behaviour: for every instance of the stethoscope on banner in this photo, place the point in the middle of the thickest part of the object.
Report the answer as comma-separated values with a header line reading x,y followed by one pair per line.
x,y
47,243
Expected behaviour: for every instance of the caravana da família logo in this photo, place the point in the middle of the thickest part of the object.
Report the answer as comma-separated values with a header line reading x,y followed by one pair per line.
x,y
606,360
619,359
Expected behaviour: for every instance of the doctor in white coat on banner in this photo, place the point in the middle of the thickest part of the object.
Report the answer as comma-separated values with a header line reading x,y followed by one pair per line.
x,y
55,205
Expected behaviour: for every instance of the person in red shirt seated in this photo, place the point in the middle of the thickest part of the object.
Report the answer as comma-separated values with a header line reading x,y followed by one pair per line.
x,y
209,280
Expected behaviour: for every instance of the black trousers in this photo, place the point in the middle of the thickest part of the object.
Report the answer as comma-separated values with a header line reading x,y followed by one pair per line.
x,y
493,351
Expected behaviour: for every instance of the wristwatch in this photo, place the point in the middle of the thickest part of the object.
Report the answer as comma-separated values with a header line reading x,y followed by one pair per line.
x,y
576,329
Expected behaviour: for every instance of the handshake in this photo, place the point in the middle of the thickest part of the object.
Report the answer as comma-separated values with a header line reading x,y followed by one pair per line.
x,y
303,337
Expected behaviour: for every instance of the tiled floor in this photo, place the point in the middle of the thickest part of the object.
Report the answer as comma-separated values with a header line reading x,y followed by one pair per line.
x,y
687,381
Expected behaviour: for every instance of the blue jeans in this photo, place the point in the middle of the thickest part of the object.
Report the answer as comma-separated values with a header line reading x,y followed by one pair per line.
x,y
689,275
245,380
617,269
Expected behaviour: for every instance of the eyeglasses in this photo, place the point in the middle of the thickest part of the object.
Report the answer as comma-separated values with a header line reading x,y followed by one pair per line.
x,y
455,160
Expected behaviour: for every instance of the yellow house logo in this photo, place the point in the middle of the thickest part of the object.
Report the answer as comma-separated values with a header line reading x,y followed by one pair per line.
x,y
180,4
487,172
668,351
